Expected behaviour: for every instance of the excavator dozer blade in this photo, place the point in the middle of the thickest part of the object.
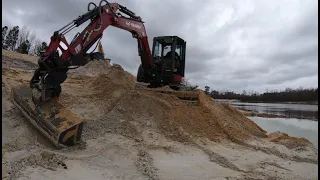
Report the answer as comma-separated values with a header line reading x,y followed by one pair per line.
x,y
54,121
188,97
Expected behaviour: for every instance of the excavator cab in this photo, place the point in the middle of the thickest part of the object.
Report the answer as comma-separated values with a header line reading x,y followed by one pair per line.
x,y
168,62
169,55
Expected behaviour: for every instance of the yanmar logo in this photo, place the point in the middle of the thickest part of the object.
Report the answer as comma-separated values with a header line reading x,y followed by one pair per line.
x,y
133,25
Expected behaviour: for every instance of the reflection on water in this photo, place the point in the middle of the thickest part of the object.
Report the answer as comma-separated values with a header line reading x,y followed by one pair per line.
x,y
293,127
302,111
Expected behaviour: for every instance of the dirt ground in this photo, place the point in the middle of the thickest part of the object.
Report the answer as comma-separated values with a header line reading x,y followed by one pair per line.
x,y
131,133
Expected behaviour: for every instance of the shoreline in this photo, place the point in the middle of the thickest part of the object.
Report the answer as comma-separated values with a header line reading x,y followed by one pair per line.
x,y
265,115
294,102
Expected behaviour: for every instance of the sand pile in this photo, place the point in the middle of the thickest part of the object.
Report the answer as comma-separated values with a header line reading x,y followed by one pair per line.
x,y
110,101
113,78
286,140
18,56
92,69
125,109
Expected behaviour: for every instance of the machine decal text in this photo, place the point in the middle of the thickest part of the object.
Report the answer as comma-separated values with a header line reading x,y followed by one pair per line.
x,y
128,23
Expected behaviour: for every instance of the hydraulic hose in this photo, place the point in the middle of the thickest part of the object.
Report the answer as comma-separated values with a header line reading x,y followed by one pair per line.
x,y
100,11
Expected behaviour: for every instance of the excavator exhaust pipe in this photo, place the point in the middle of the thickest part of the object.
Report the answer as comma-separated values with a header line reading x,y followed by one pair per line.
x,y
55,122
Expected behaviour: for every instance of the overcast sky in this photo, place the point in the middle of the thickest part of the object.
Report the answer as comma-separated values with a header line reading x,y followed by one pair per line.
x,y
231,44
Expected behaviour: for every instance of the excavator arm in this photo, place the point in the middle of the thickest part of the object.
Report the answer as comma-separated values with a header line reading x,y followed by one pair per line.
x,y
53,68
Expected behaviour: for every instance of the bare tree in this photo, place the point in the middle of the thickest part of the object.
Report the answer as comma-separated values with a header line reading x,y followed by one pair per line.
x,y
186,85
35,46
32,38
24,34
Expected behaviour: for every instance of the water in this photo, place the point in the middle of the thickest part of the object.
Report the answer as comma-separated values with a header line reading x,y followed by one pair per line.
x,y
301,111
293,127
306,126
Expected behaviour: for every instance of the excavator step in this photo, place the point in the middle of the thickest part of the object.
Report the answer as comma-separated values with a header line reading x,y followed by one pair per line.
x,y
54,121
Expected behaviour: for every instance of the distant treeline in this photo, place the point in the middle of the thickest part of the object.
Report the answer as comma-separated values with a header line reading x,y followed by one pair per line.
x,y
287,95
22,40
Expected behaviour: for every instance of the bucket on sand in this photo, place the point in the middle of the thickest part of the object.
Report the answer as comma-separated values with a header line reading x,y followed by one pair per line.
x,y
55,122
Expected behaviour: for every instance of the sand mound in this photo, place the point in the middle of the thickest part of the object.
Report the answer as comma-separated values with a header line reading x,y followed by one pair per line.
x,y
232,122
126,109
286,140
92,69
18,56
114,79
113,102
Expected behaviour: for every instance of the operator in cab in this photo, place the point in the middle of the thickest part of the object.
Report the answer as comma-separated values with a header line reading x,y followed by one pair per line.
x,y
176,60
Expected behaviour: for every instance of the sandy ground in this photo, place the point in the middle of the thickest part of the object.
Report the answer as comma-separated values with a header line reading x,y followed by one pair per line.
x,y
127,135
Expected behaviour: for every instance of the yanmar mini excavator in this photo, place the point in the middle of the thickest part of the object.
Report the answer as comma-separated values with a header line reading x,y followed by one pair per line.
x,y
39,103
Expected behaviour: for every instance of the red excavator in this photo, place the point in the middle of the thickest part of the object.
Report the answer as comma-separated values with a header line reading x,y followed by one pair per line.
x,y
38,102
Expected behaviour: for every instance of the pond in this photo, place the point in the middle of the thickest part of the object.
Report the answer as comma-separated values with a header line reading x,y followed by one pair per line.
x,y
293,127
300,111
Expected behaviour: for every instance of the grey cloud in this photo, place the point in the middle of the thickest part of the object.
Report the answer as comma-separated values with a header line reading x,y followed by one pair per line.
x,y
295,52
288,73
